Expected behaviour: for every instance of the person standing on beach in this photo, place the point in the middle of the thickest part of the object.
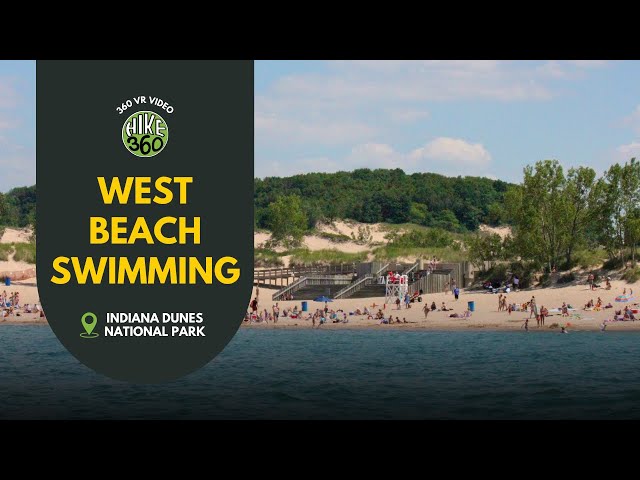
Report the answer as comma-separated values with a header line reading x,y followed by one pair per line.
x,y
590,280
426,310
533,307
276,313
446,288
456,292
453,285
398,303
543,313
407,300
516,282
526,325
500,303
254,305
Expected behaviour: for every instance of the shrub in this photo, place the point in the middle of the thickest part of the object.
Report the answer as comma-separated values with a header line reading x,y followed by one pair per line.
x,y
264,257
566,278
5,250
25,252
545,280
334,237
304,257
631,275
612,264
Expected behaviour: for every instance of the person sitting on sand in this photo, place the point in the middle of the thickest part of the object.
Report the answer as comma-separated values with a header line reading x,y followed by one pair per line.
x,y
433,306
390,319
608,305
444,308
358,312
589,305
366,311
398,320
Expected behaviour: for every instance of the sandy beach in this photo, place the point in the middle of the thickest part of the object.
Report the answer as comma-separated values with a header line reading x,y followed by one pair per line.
x,y
486,315
27,288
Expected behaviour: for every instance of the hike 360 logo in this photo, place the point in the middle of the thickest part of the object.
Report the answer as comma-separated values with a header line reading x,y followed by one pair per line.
x,y
145,133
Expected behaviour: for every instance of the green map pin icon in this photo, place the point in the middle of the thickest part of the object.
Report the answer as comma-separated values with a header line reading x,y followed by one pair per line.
x,y
89,325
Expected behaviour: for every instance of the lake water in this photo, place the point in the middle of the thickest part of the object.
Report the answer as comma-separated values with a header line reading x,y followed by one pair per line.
x,y
347,374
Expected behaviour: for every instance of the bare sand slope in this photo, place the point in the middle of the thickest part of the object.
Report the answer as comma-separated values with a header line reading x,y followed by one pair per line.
x,y
16,235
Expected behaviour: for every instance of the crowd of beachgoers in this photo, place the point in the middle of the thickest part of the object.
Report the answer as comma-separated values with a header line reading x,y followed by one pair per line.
x,y
582,306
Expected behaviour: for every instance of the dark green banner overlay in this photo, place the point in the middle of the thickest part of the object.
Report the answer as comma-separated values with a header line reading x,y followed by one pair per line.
x,y
145,210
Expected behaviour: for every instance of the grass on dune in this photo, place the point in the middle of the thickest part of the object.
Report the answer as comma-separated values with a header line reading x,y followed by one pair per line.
x,y
5,251
25,252
302,256
392,252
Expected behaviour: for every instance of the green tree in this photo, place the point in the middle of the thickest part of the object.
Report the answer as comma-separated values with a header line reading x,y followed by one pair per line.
x,y
539,211
616,199
579,198
287,219
632,233
485,248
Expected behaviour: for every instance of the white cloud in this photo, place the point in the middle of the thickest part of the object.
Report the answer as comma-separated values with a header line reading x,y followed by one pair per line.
x,y
627,152
443,155
553,69
454,150
276,129
8,95
375,155
408,115
633,120
316,115
588,63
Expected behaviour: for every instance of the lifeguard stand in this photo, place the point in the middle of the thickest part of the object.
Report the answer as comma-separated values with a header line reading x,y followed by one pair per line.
x,y
396,286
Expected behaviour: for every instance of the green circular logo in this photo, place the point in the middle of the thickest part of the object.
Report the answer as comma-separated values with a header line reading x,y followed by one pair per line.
x,y
145,134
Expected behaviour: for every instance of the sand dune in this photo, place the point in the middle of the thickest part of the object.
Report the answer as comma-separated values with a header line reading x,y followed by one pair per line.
x,y
314,242
502,231
16,235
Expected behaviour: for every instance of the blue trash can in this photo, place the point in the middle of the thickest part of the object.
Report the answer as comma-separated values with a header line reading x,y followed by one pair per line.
x,y
304,306
7,282
472,306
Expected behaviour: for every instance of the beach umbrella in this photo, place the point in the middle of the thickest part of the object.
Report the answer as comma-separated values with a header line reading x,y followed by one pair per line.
x,y
624,298
322,299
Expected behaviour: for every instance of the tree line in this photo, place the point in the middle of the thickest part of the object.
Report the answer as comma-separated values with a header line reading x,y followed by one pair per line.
x,y
555,214
455,204
18,207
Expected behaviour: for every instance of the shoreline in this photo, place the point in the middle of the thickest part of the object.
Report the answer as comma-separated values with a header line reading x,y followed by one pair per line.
x,y
634,327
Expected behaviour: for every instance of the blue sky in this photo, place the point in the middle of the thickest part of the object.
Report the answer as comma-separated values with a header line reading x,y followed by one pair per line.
x,y
456,118
17,124
487,118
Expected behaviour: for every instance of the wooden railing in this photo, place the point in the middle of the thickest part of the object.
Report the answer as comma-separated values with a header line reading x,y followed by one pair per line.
x,y
354,287
280,276
310,281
